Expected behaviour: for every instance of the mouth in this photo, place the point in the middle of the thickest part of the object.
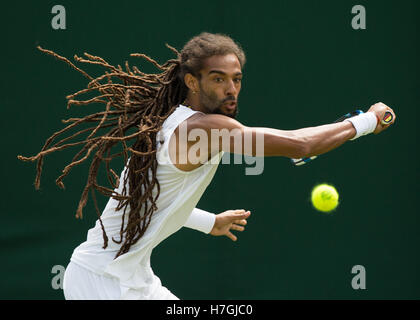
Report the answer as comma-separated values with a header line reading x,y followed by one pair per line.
x,y
231,105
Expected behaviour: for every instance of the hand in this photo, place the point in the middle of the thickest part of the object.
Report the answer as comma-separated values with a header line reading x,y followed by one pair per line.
x,y
230,220
379,110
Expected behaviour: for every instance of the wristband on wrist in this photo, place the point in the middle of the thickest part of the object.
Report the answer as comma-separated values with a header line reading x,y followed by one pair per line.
x,y
201,220
364,124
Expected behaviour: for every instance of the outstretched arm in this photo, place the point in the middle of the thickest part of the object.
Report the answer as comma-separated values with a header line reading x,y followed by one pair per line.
x,y
291,143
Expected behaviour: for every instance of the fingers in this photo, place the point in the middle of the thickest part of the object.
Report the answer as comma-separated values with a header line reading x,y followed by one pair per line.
x,y
231,236
238,220
237,228
239,215
242,222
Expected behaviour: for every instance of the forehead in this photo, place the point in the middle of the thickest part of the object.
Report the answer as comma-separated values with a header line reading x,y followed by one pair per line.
x,y
228,63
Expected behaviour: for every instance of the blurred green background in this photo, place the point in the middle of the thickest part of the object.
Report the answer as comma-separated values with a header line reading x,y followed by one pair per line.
x,y
306,67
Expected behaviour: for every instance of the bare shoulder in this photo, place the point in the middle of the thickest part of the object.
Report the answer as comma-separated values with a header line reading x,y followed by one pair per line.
x,y
213,121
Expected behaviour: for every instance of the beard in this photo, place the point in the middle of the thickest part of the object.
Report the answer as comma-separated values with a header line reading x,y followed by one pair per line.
x,y
231,115
215,105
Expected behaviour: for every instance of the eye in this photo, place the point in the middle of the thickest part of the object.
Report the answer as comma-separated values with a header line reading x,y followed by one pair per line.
x,y
218,79
238,80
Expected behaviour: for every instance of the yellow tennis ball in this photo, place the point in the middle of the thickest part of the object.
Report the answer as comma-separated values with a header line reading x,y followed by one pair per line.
x,y
324,197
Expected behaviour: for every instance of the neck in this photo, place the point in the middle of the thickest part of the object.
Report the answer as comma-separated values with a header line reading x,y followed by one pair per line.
x,y
193,102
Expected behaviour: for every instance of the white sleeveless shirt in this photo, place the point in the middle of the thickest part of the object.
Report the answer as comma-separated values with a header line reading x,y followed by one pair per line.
x,y
180,192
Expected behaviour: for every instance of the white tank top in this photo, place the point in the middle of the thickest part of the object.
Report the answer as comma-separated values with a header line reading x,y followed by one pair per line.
x,y
180,192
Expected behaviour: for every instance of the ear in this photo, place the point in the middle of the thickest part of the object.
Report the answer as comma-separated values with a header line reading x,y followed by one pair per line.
x,y
191,82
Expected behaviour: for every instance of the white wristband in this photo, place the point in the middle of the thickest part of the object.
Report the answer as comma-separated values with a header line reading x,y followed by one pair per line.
x,y
201,220
364,124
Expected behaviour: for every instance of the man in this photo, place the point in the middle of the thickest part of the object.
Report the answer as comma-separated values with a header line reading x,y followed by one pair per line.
x,y
160,186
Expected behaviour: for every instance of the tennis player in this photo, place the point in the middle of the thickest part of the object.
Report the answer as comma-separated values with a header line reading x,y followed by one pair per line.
x,y
157,192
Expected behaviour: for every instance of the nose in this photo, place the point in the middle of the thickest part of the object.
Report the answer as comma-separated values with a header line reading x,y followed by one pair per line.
x,y
231,89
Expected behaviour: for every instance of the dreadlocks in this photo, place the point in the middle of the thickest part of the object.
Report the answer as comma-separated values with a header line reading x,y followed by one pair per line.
x,y
132,99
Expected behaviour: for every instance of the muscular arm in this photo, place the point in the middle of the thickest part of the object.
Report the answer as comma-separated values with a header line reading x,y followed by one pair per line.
x,y
289,143
229,135
306,142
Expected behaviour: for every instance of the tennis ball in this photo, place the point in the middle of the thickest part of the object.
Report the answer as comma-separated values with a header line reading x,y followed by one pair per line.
x,y
324,197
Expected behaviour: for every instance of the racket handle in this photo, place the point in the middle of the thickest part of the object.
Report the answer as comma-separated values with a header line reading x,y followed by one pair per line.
x,y
387,119
301,161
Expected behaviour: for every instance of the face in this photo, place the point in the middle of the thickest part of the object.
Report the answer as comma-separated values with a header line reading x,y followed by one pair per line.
x,y
220,84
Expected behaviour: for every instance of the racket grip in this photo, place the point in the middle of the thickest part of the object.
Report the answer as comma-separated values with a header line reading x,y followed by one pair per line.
x,y
301,161
387,119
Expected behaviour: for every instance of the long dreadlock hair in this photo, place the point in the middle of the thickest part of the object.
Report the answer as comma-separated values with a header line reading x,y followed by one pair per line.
x,y
132,99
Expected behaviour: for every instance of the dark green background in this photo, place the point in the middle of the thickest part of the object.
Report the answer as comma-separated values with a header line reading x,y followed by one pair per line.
x,y
306,66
